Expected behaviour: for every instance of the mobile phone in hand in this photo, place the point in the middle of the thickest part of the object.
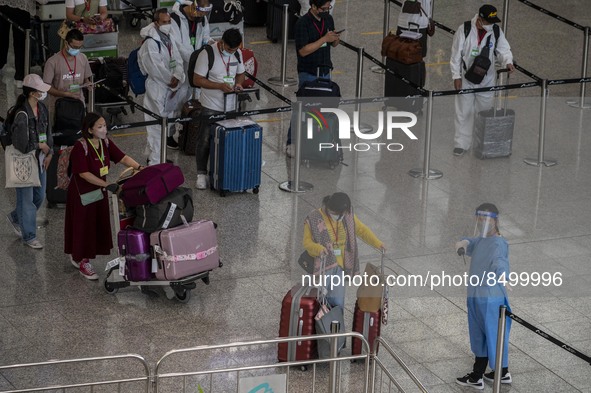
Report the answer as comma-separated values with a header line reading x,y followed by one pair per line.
x,y
340,31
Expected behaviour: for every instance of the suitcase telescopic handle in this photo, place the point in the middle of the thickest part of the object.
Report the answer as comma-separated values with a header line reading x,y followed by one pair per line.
x,y
256,91
505,94
330,68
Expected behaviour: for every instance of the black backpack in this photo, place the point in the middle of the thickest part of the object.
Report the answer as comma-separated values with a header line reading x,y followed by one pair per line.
x,y
69,113
6,129
210,59
112,71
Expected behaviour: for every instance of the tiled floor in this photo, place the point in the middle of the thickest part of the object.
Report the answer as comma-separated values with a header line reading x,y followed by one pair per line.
x,y
48,311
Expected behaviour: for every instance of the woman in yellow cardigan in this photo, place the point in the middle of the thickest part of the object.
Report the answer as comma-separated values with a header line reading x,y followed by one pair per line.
x,y
332,231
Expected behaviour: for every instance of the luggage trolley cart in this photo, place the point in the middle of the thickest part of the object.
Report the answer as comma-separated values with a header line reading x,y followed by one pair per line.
x,y
181,287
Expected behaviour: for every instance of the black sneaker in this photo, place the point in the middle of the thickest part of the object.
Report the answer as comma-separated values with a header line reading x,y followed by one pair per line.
x,y
458,151
506,378
469,380
171,143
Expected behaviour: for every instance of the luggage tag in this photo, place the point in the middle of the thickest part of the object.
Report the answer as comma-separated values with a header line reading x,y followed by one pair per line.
x,y
104,171
112,263
74,88
42,138
121,266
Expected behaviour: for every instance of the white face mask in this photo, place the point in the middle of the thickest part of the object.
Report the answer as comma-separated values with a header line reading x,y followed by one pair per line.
x,y
43,96
100,132
487,27
336,217
165,29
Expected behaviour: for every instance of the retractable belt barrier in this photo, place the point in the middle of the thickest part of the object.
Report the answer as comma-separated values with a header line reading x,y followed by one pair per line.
x,y
138,9
13,23
548,337
552,14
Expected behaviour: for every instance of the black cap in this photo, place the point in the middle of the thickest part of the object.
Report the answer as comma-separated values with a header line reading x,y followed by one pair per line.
x,y
488,13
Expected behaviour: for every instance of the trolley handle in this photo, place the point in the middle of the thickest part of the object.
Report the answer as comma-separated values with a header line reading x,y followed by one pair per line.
x,y
505,94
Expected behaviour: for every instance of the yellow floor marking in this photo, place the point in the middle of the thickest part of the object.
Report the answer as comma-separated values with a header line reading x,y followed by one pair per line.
x,y
260,42
127,134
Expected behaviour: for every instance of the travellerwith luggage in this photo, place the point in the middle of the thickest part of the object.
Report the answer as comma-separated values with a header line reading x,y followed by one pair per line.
x,y
166,213
188,135
275,20
395,87
134,245
151,184
235,157
186,250
493,129
298,309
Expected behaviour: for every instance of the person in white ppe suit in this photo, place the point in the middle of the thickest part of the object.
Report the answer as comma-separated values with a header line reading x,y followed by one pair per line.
x,y
489,263
160,59
464,50
190,31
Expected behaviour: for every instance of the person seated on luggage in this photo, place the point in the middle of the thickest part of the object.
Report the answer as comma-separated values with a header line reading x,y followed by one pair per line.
x,y
160,59
464,50
31,132
68,70
314,35
225,76
87,226
86,11
408,21
331,232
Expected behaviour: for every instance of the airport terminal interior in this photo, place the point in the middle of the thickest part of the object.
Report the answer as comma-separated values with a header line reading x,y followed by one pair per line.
x,y
49,311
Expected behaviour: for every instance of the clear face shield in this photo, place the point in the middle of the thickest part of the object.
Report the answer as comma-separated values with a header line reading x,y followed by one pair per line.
x,y
201,12
486,223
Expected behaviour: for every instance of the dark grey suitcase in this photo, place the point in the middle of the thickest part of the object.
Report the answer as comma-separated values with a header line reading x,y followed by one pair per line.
x,y
395,87
493,130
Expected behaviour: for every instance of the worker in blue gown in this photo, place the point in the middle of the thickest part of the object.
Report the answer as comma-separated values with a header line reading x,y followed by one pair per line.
x,y
489,253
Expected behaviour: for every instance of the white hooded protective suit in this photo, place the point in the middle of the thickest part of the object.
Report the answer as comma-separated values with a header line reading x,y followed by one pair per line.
x,y
160,63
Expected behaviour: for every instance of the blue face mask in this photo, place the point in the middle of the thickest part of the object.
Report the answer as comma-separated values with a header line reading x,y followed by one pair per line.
x,y
73,52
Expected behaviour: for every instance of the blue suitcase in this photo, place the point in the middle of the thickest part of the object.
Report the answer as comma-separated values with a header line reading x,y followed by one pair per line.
x,y
235,158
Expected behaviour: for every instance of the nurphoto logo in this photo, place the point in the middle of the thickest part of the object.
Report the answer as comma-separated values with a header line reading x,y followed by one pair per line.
x,y
395,121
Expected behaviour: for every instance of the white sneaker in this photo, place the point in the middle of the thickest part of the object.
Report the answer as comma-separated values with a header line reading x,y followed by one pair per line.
x,y
289,151
202,181
36,244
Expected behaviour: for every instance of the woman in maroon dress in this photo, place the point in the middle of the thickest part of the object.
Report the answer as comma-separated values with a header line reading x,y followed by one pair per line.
x,y
88,225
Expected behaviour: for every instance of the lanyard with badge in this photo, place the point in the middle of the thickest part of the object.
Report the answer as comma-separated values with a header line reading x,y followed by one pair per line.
x,y
172,62
227,79
104,171
319,30
74,87
336,249
476,51
193,34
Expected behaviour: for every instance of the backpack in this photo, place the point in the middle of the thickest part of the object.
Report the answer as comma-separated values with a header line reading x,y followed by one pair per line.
x,y
135,77
6,129
210,59
69,113
64,169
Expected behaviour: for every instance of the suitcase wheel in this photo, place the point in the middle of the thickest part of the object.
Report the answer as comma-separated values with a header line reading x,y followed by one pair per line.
x,y
221,264
205,280
109,287
183,296
255,190
222,193
303,368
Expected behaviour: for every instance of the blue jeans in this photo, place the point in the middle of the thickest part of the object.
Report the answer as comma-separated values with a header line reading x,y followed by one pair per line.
x,y
336,293
28,201
304,77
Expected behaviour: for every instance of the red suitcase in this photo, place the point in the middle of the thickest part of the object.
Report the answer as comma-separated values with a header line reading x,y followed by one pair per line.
x,y
151,185
298,310
368,324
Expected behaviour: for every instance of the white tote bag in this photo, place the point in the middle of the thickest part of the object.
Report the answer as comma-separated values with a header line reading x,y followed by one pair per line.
x,y
22,170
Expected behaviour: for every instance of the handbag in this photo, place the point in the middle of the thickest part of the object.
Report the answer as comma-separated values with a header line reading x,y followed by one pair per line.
x,y
403,50
89,197
480,65
22,169
306,261
411,7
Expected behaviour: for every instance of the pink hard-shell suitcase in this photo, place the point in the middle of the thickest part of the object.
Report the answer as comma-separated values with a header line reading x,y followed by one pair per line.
x,y
185,250
151,185
134,245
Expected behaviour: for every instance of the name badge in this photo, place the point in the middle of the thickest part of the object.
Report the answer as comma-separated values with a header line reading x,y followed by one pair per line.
x,y
74,87
229,80
475,52
42,138
337,252
193,41
104,171
172,64
323,45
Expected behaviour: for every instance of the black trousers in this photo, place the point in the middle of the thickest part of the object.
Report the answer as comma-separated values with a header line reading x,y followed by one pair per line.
x,y
23,19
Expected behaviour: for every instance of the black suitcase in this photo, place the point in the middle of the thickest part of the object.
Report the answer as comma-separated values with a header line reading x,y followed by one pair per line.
x,y
188,135
327,133
56,197
395,87
255,12
275,20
